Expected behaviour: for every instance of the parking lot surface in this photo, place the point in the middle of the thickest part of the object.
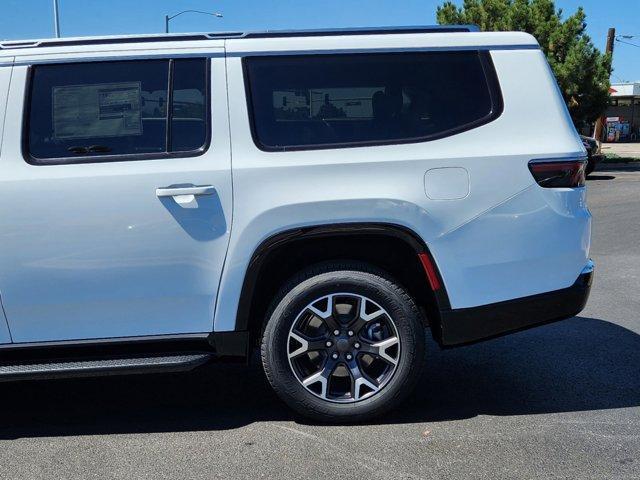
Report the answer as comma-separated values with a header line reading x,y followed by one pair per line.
x,y
625,150
559,401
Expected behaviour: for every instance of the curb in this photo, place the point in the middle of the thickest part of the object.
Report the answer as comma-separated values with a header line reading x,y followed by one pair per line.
x,y
631,167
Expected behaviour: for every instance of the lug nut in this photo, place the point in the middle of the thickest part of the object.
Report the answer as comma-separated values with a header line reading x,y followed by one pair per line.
x,y
350,333
349,356
357,345
328,344
336,332
334,356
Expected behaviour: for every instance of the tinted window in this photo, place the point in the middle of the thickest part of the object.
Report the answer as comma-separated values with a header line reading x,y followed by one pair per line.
x,y
342,100
117,108
188,114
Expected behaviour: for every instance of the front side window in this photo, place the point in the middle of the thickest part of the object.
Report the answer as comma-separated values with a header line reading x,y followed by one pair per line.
x,y
144,108
320,101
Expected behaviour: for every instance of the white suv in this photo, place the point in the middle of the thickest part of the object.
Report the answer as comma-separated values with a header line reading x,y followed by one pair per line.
x,y
325,195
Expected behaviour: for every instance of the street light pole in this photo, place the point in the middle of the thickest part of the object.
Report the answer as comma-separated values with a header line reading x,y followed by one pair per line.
x,y
601,123
56,19
167,17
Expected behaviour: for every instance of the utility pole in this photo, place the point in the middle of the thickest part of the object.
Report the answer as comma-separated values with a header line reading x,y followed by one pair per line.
x,y
611,37
56,19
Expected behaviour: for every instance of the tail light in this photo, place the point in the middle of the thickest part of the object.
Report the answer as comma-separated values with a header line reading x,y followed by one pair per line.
x,y
559,173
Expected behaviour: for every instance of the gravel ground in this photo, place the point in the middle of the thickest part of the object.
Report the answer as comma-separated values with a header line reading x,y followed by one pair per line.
x,y
560,401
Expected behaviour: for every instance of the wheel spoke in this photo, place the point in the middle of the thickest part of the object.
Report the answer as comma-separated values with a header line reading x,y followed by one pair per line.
x,y
379,349
346,319
359,379
322,377
363,317
306,344
326,314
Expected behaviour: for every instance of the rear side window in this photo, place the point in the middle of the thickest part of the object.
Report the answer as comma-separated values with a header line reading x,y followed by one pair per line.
x,y
324,101
108,110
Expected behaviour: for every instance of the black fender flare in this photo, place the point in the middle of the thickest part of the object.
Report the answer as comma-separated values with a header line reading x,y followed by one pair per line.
x,y
328,230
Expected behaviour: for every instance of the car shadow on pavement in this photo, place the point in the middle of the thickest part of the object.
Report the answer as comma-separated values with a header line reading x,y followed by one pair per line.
x,y
578,364
572,365
618,167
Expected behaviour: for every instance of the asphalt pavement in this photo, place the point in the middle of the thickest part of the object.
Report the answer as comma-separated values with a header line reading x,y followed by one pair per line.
x,y
559,401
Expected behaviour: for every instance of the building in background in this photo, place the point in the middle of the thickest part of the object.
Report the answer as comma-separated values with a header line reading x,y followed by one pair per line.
x,y
623,113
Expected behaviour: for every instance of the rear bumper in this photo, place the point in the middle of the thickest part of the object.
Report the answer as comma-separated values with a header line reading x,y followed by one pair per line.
x,y
467,325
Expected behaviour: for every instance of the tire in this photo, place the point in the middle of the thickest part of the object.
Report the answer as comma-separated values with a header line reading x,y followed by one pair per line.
x,y
388,336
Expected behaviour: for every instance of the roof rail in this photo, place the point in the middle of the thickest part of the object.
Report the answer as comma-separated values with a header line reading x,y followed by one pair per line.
x,y
57,42
362,31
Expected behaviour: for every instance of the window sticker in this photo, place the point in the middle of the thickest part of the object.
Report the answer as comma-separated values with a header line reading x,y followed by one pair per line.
x,y
98,110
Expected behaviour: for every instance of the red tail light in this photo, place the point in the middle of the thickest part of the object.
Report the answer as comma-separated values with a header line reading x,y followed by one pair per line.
x,y
559,173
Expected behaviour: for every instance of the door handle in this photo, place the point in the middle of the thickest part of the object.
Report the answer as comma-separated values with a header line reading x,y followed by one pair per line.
x,y
178,191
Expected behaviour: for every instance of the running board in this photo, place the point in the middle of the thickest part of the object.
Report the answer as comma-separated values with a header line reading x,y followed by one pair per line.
x,y
101,367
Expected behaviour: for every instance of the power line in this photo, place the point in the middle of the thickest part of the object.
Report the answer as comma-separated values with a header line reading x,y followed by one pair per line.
x,y
627,43
622,80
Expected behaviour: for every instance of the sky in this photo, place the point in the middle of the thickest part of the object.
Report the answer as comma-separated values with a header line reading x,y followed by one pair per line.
x,y
22,19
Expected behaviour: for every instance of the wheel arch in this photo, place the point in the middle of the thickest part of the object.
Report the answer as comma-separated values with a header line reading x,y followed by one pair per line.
x,y
283,254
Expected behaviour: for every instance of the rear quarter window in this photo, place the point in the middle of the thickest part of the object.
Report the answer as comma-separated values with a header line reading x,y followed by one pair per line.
x,y
329,101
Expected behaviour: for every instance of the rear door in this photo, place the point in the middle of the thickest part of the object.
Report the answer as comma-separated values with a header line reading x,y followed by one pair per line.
x,y
115,210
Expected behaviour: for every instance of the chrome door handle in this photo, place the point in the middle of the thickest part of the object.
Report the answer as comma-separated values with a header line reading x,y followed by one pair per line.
x,y
174,192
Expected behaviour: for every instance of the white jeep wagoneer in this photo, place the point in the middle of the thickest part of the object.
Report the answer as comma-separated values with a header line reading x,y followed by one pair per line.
x,y
326,196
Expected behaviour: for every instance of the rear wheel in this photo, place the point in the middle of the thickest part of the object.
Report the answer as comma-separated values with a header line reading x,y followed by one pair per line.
x,y
343,343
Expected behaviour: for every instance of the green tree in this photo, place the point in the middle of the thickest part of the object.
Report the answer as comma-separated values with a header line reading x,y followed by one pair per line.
x,y
581,70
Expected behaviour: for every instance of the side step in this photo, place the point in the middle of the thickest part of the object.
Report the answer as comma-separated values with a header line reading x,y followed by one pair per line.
x,y
100,367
